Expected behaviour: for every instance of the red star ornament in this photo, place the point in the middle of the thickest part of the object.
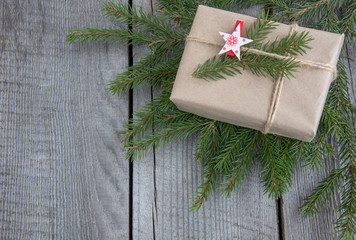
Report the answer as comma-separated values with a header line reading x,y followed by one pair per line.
x,y
234,41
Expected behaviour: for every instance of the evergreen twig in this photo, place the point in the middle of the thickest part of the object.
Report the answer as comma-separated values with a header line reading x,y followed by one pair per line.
x,y
107,35
218,68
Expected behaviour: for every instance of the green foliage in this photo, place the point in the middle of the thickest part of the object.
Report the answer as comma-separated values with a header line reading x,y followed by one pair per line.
x,y
277,159
294,44
260,30
107,35
217,68
348,21
322,193
242,155
156,69
144,28
331,15
183,12
228,152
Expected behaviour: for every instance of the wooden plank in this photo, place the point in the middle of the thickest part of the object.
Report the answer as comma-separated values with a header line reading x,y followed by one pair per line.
x,y
248,214
321,226
165,183
144,207
350,62
62,172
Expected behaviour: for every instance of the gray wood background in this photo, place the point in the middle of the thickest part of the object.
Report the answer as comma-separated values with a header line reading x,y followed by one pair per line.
x,y
63,174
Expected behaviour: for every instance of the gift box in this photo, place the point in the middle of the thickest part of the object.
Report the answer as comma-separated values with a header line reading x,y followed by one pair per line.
x,y
292,109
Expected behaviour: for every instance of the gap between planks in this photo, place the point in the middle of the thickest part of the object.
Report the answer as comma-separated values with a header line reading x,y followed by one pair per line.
x,y
130,63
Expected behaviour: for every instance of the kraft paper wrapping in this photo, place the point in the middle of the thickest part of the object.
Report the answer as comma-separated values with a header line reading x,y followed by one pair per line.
x,y
245,99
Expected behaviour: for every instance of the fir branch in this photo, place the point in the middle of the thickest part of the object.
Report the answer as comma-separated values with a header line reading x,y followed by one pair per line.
x,y
300,11
260,30
327,13
233,149
144,118
107,35
313,203
154,69
155,112
329,21
204,190
242,163
117,11
218,68
278,6
125,81
346,223
141,146
320,150
231,4
339,97
148,29
316,158
294,44
308,10
182,12
277,164
348,22
344,133
208,146
208,143
174,117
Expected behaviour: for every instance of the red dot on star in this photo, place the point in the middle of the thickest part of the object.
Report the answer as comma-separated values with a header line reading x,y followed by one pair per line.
x,y
224,48
243,40
236,51
235,30
222,35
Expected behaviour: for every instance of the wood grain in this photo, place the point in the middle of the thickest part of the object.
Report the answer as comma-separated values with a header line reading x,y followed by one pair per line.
x,y
144,185
165,181
62,171
248,214
319,227
350,62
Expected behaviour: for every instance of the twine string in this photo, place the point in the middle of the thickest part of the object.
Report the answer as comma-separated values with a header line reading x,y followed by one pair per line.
x,y
279,83
276,94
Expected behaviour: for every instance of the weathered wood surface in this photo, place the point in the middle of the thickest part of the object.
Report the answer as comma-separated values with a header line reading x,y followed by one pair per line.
x,y
165,181
350,62
144,185
319,227
62,169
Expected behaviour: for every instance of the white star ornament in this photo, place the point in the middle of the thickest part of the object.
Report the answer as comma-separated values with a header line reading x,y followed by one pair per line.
x,y
234,41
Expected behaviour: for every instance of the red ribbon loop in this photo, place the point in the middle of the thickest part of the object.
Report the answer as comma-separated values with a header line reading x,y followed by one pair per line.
x,y
230,53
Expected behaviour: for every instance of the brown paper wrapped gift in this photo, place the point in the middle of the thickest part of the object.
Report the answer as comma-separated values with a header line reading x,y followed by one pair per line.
x,y
246,99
